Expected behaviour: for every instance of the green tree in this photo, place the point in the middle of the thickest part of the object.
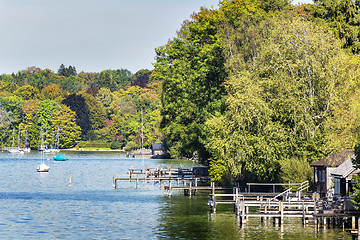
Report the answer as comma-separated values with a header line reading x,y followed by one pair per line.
x,y
69,131
78,105
342,17
67,71
28,92
192,71
30,122
104,98
53,92
13,105
283,75
142,78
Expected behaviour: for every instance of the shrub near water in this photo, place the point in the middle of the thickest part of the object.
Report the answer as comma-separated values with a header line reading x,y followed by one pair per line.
x,y
93,145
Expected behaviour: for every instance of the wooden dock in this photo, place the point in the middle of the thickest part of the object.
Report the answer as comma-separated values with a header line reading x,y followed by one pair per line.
x,y
287,204
177,178
293,202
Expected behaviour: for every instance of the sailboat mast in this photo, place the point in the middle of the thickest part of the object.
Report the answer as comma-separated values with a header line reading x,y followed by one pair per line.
x,y
142,132
19,138
57,139
25,144
13,139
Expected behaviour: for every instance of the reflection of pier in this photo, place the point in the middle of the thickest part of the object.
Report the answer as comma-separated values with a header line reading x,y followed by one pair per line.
x,y
289,204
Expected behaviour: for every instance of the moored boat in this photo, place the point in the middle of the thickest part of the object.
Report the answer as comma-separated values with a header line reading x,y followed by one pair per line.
x,y
43,168
60,157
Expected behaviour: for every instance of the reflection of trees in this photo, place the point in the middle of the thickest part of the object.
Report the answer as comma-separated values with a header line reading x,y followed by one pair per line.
x,y
188,218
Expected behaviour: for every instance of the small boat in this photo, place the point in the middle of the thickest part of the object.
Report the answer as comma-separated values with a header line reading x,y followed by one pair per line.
x,y
43,168
60,157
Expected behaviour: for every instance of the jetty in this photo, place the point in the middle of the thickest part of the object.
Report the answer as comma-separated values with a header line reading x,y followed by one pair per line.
x,y
188,179
255,200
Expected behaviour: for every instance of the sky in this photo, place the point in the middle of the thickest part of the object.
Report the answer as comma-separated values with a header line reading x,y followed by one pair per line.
x,y
92,35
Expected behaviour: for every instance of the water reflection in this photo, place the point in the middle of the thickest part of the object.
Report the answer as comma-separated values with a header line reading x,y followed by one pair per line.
x,y
189,218
42,206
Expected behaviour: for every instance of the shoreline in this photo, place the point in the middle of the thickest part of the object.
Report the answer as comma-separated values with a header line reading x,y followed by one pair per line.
x,y
92,150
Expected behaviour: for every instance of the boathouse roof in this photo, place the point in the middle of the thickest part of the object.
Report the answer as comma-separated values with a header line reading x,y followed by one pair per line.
x,y
345,169
335,159
156,146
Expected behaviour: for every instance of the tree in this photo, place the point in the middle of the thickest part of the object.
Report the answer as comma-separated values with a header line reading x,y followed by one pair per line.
x,y
105,98
28,92
53,92
13,105
142,78
283,76
67,72
192,71
106,81
96,112
342,17
30,122
47,108
69,131
78,105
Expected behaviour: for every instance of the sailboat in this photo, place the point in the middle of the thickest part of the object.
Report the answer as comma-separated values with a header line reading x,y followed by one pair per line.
x,y
19,150
55,145
43,167
13,149
57,142
26,145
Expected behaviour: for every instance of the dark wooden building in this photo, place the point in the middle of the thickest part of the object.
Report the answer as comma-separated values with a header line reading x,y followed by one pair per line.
x,y
323,169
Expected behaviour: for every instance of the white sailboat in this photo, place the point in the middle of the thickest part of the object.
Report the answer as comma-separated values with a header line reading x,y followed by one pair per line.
x,y
13,149
43,167
57,142
19,150
26,146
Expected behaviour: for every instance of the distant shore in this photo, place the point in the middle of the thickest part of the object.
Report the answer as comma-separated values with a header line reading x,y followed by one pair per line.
x,y
93,150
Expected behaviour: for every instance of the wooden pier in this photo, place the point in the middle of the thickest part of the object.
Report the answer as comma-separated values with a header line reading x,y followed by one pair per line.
x,y
293,202
189,178
279,206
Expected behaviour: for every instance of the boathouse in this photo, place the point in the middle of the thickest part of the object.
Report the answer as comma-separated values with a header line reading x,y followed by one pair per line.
x,y
157,149
343,178
333,171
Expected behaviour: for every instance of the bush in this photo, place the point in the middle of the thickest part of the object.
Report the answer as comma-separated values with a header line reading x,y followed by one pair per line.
x,y
84,144
114,145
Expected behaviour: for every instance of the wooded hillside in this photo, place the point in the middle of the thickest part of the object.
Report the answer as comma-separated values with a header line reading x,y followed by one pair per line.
x,y
90,109
260,89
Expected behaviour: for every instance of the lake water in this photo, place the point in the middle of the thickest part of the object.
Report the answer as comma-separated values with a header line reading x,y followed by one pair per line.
x,y
42,205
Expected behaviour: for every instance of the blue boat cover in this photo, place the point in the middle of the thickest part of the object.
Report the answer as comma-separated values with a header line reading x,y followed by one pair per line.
x,y
60,157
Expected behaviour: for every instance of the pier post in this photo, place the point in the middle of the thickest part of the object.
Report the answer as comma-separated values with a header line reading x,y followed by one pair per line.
x,y
169,188
243,212
214,203
281,206
276,220
353,222
315,218
70,180
114,183
190,189
303,213
358,231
